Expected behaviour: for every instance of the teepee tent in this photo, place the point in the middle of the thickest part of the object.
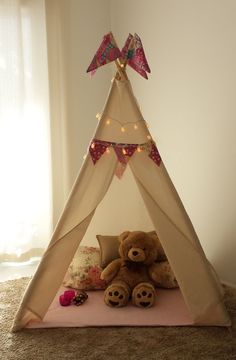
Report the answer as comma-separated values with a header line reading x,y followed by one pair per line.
x,y
122,139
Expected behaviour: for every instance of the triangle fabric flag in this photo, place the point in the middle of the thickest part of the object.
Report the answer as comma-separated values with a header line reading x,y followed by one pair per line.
x,y
108,51
133,53
154,155
97,149
128,50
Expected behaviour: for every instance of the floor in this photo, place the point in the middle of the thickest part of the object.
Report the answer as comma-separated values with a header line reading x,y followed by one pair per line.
x,y
10,271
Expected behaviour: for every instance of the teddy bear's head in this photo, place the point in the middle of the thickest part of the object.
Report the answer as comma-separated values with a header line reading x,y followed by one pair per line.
x,y
138,246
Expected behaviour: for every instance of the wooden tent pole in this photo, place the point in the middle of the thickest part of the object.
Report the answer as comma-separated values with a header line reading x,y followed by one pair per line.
x,y
121,73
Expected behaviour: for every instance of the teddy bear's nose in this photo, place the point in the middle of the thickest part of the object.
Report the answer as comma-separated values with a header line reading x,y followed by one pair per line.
x,y
135,253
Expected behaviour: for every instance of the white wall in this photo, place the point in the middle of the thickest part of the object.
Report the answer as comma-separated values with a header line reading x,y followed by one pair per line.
x,y
189,103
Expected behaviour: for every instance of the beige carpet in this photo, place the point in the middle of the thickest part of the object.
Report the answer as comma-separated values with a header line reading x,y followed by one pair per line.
x,y
112,343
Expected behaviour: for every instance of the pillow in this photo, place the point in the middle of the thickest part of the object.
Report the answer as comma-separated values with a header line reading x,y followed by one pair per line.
x,y
85,270
109,249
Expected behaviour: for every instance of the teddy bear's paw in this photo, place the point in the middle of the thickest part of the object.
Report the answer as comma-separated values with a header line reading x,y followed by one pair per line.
x,y
143,295
116,295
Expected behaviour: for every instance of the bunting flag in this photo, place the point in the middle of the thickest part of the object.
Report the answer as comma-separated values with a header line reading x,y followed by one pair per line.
x,y
123,152
128,50
135,55
154,155
120,169
107,52
97,149
131,54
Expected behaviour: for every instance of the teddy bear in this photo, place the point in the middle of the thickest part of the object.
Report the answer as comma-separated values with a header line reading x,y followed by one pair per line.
x,y
142,266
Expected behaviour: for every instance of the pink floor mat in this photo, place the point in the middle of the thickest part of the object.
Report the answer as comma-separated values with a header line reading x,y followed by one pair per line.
x,y
169,310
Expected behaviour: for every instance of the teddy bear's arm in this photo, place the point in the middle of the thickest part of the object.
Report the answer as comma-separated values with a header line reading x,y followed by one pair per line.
x,y
111,270
163,275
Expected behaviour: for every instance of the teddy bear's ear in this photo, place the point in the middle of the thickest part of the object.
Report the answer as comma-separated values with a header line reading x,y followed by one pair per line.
x,y
152,233
161,253
154,236
124,235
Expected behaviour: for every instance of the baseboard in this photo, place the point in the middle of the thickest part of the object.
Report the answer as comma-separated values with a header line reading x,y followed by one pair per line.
x,y
228,283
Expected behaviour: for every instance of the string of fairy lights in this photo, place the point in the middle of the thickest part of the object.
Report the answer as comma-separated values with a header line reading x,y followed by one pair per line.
x,y
140,147
124,128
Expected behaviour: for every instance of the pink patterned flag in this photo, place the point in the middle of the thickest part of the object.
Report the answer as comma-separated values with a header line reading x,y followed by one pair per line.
x,y
120,169
107,52
97,149
128,50
154,155
123,153
134,54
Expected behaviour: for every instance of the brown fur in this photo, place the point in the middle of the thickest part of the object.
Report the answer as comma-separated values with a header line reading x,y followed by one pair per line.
x,y
138,253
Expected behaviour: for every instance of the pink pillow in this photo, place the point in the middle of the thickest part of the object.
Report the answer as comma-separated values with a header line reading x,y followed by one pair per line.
x,y
85,270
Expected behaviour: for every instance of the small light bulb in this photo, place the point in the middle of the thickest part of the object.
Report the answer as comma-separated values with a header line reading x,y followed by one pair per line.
x,y
122,65
108,122
135,127
122,129
147,124
149,137
124,151
107,150
93,146
139,149
98,116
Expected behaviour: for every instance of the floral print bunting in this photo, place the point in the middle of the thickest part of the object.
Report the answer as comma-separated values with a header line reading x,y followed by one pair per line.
x,y
154,155
107,52
131,54
123,151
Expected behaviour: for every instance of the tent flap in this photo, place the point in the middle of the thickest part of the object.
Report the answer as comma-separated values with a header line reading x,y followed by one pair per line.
x,y
192,270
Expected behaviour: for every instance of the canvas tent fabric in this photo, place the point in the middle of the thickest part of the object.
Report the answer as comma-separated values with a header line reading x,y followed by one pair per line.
x,y
200,288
